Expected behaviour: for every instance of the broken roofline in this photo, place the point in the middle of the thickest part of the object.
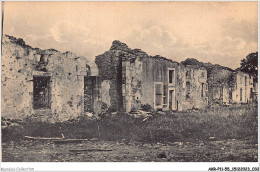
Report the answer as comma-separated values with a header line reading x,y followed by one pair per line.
x,y
21,42
209,66
118,45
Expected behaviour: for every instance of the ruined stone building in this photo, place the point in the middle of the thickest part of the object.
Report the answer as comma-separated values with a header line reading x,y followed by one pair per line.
x,y
227,86
135,78
244,89
255,91
44,83
53,86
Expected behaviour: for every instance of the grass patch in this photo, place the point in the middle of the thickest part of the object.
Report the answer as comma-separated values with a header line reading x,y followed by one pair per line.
x,y
233,122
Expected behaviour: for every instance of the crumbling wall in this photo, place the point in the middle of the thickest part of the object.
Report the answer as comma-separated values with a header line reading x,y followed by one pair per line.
x,y
225,86
121,67
245,83
109,70
132,68
220,83
155,69
104,92
196,95
92,94
132,75
132,84
20,63
255,92
68,83
16,80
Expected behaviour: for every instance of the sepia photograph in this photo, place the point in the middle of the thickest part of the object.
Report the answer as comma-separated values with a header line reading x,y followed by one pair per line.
x,y
151,81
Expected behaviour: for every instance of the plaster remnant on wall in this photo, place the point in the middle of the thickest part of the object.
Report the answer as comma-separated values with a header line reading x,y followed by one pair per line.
x,y
105,87
51,86
21,64
135,73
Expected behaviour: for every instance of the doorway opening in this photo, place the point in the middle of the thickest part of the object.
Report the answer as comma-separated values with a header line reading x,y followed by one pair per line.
x,y
91,93
172,100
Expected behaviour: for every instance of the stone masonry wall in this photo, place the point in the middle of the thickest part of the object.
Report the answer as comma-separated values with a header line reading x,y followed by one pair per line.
x,y
109,72
139,74
132,68
20,63
197,96
220,82
156,70
226,86
245,83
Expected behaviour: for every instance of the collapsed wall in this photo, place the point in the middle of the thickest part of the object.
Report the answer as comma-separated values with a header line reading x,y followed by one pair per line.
x,y
225,85
110,72
192,89
43,84
243,90
135,79
120,72
54,86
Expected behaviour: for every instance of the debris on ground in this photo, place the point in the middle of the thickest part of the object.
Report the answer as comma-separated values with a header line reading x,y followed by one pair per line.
x,y
161,113
140,114
178,143
88,114
212,138
12,129
113,113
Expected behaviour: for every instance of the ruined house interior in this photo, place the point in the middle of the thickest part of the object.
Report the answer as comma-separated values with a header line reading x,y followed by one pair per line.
x,y
51,85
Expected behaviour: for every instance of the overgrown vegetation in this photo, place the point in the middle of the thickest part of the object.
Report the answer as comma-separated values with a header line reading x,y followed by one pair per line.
x,y
250,65
233,122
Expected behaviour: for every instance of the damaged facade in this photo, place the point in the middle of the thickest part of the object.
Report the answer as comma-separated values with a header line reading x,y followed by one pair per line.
x,y
46,84
227,86
53,86
243,90
136,79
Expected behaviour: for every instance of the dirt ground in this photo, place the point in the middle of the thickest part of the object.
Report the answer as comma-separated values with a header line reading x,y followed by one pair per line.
x,y
111,151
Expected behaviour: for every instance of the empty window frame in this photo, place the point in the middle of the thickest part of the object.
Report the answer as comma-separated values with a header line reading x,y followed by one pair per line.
x,y
171,75
202,90
230,95
206,90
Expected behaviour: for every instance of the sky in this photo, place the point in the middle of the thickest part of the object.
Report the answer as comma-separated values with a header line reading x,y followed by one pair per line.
x,y
217,32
